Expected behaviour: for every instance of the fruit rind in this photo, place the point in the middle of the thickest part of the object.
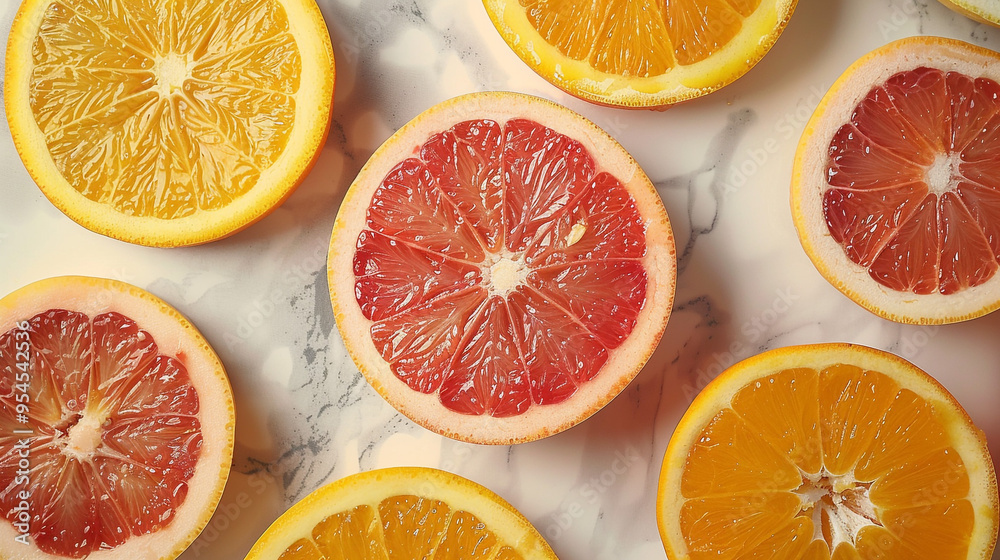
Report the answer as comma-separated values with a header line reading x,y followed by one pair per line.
x,y
305,19
809,178
370,487
174,336
658,92
969,441
975,10
537,422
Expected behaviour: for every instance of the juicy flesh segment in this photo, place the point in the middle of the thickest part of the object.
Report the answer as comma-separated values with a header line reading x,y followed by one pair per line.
x,y
114,434
164,109
500,267
914,182
826,464
638,38
401,527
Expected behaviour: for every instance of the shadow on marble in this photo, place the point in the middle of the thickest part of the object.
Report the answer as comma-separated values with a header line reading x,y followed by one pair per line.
x,y
803,44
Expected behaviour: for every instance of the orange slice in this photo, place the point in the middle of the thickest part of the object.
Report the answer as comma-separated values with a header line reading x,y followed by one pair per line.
x,y
402,512
168,123
501,268
985,11
896,186
830,451
116,424
640,53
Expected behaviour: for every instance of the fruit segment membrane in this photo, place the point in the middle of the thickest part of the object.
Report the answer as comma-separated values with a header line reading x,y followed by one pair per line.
x,y
113,431
401,527
809,464
639,38
164,112
500,267
914,182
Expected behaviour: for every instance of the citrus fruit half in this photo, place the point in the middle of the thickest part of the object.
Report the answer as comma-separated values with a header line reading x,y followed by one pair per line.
x,y
827,451
501,268
402,512
640,53
986,11
116,424
170,123
896,185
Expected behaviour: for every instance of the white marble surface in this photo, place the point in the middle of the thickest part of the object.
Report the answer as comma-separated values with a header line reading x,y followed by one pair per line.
x,y
722,164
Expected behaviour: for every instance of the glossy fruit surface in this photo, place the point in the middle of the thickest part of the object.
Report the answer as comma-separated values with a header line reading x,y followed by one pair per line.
x,y
173,123
122,414
513,268
827,451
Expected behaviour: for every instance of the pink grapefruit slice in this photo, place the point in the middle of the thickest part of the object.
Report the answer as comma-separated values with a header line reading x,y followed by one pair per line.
x,y
896,187
116,424
501,268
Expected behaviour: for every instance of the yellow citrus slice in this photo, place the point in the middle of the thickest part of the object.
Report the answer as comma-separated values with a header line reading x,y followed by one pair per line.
x,y
116,424
896,186
829,451
402,512
171,123
501,268
640,53
986,11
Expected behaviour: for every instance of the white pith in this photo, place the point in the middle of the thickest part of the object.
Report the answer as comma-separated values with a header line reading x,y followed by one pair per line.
x,y
84,437
504,272
313,104
625,361
174,336
757,34
809,182
965,439
171,70
844,500
943,174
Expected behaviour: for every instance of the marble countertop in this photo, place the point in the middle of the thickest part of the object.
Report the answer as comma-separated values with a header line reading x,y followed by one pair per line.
x,y
722,165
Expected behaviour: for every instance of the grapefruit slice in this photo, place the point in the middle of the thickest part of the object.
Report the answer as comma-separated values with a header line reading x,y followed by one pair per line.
x,y
172,123
896,186
116,424
985,11
501,268
402,512
640,54
827,451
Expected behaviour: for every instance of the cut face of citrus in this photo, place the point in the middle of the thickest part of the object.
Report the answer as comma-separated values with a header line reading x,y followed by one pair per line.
x,y
170,125
640,54
402,512
896,189
986,11
117,423
827,451
513,268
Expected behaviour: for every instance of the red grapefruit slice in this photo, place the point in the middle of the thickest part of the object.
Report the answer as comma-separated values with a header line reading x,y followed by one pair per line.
x,y
116,423
513,268
896,187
